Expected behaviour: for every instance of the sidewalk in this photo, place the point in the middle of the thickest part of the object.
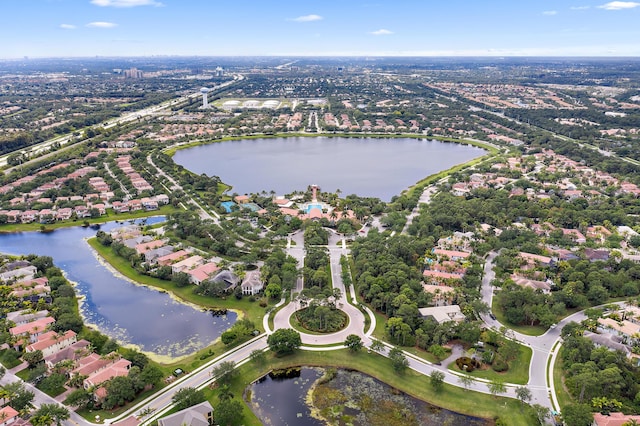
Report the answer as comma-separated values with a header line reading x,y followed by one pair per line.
x,y
17,368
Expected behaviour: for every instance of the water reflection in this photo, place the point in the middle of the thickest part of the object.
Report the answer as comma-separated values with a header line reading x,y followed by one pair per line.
x,y
369,167
132,314
313,396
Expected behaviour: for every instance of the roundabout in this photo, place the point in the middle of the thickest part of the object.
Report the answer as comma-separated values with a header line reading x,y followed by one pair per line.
x,y
356,319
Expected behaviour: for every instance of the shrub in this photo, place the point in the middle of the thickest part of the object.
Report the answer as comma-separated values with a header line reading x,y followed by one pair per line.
x,y
467,364
499,365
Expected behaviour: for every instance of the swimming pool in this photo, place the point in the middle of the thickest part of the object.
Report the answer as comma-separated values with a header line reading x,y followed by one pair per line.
x,y
227,205
313,206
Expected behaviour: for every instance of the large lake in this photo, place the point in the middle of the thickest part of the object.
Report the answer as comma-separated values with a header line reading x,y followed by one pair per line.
x,y
133,315
368,167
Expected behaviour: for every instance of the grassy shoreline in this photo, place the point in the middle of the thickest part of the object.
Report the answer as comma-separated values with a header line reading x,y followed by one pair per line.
x,y
244,307
417,385
479,144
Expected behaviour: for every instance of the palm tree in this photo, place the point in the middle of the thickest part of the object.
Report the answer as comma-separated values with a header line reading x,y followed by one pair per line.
x,y
224,393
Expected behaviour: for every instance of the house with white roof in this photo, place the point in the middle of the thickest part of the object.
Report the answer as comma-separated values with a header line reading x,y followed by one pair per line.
x,y
443,314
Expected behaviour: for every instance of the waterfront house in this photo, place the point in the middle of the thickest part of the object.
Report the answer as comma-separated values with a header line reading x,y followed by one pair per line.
x,y
251,284
197,415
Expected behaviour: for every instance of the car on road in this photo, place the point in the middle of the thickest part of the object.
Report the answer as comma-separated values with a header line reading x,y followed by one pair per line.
x,y
493,317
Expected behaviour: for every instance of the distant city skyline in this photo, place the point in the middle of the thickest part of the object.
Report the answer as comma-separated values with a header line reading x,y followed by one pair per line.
x,y
86,28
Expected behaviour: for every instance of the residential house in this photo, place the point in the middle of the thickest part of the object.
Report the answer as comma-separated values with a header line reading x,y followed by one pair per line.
x,y
594,255
187,264
8,415
64,213
251,284
118,368
574,235
149,203
135,205
51,342
73,352
137,240
543,286
150,245
440,276
13,216
25,316
24,273
120,207
535,259
599,233
441,294
162,199
228,278
151,255
46,215
29,216
608,341
172,257
450,254
626,329
82,211
443,314
613,419
36,287
202,273
197,415
241,199
32,329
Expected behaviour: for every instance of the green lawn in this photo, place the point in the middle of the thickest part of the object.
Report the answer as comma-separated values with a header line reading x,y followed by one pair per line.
x,y
517,373
422,354
417,385
110,216
564,398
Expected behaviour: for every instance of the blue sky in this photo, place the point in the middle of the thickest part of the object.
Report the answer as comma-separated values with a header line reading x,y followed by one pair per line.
x,y
46,28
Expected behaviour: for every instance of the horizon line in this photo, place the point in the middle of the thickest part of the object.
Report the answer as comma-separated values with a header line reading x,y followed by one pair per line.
x,y
29,57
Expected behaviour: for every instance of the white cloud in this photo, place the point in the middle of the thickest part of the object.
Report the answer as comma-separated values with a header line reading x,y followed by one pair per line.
x,y
580,7
619,5
125,3
381,31
550,12
101,25
307,18
67,27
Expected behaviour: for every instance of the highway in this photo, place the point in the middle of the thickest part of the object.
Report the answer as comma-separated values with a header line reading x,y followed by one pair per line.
x,y
43,147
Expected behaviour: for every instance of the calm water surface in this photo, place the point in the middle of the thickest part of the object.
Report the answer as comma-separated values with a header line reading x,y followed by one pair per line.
x,y
282,401
364,166
131,314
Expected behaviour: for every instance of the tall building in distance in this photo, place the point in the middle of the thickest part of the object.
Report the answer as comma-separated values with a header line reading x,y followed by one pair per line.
x,y
219,71
133,73
205,101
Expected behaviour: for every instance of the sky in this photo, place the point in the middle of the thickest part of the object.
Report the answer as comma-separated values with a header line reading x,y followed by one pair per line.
x,y
86,28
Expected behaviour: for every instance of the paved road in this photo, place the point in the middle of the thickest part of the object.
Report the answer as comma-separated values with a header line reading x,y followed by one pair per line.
x,y
337,248
42,398
124,118
175,186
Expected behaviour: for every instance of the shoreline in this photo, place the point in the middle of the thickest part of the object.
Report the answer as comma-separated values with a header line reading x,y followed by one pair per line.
x,y
164,359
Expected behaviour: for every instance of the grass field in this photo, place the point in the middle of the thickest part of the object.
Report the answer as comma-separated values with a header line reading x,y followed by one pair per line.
x,y
517,373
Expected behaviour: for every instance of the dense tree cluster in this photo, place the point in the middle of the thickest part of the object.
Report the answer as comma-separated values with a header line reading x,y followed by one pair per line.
x,y
596,372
